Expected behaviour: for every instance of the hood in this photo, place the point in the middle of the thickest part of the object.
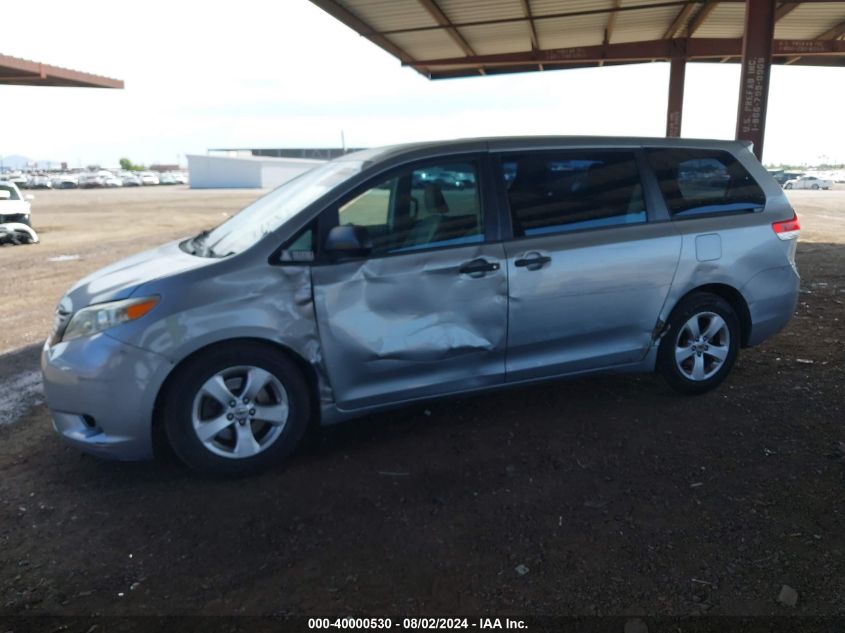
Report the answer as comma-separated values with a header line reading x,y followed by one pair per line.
x,y
119,280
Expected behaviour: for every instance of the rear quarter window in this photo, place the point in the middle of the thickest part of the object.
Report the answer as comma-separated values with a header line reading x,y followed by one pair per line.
x,y
700,182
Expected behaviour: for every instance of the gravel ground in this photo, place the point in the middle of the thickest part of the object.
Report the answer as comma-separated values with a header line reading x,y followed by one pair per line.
x,y
607,495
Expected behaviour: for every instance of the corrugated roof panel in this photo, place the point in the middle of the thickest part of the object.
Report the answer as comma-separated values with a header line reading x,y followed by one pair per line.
x,y
726,20
546,7
647,24
810,20
498,38
25,72
386,15
635,3
435,44
587,30
463,11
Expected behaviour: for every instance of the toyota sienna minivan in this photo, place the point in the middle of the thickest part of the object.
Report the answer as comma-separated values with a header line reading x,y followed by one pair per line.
x,y
404,273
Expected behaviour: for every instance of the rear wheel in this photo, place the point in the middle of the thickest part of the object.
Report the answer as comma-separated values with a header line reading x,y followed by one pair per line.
x,y
814,187
788,185
700,345
236,410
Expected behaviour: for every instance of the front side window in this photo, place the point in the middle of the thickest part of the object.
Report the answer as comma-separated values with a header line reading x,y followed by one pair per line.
x,y
554,192
698,181
427,207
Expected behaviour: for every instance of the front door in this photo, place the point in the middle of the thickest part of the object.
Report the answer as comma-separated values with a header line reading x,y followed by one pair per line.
x,y
588,272
426,312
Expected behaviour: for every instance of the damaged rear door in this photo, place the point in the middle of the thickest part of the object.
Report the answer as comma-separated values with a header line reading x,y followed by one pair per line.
x,y
425,312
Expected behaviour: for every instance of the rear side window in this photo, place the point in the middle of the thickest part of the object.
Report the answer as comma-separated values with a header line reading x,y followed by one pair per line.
x,y
700,181
555,192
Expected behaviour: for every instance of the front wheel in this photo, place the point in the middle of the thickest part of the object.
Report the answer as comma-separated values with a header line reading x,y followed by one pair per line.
x,y
236,409
788,186
700,345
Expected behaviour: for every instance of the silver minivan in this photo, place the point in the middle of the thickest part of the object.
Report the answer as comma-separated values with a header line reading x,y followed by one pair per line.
x,y
418,271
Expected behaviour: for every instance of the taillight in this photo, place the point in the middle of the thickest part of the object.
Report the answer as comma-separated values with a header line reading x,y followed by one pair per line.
x,y
787,229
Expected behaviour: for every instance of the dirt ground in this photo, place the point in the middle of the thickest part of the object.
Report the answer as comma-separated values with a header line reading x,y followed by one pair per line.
x,y
617,495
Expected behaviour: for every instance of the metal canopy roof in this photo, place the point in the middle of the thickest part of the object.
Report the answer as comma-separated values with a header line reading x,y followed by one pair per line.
x,y
457,38
22,72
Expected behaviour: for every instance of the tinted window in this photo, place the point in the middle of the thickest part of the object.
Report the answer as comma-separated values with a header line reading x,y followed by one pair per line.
x,y
704,181
432,206
569,191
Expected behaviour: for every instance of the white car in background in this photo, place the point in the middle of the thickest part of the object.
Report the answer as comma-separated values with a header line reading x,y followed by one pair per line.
x,y
16,177
40,182
91,181
65,181
148,178
13,206
808,182
130,180
112,181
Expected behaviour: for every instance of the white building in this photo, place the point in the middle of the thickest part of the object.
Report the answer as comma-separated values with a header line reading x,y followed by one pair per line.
x,y
244,172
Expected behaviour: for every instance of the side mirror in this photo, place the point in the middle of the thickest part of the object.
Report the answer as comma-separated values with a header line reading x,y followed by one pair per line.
x,y
5,195
348,241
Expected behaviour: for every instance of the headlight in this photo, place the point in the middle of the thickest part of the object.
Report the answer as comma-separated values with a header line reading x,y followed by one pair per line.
x,y
102,316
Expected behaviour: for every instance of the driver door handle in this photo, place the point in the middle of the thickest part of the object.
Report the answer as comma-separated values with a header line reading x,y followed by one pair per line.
x,y
478,267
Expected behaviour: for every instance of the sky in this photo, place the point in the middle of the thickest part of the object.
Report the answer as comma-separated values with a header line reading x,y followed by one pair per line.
x,y
282,73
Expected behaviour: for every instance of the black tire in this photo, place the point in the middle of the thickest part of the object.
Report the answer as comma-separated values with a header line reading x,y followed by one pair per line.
x,y
788,186
697,303
814,187
185,384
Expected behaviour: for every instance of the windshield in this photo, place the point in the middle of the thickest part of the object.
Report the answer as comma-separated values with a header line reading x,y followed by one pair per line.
x,y
269,212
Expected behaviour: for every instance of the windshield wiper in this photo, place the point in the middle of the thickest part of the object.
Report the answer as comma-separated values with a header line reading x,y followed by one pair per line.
x,y
196,244
208,249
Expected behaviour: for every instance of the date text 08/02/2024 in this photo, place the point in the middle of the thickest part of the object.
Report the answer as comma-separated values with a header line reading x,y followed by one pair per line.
x,y
416,623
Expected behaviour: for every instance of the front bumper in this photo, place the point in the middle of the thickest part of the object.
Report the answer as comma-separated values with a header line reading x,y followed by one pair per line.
x,y
101,394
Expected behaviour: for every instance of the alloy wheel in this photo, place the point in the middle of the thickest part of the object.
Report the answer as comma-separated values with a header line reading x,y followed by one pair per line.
x,y
240,411
702,346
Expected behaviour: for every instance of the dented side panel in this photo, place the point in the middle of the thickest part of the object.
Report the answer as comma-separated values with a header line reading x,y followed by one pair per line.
x,y
273,303
411,325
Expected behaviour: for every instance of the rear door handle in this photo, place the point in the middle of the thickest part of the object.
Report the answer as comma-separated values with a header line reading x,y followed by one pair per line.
x,y
532,261
478,267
